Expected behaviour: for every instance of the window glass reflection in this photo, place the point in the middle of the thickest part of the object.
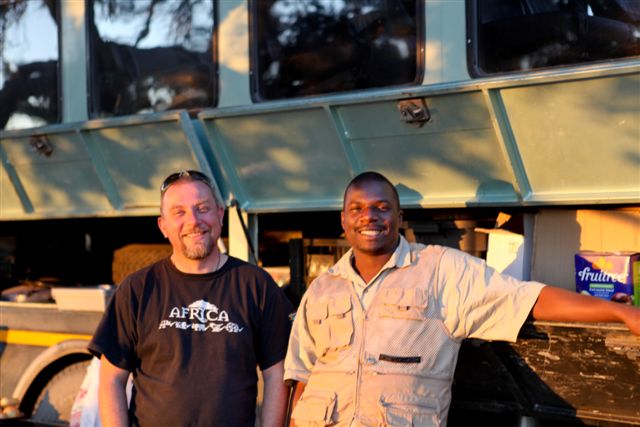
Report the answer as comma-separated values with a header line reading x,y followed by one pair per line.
x,y
29,69
520,35
307,47
151,55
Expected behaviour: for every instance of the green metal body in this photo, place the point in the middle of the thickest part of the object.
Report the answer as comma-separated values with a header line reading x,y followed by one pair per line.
x,y
534,140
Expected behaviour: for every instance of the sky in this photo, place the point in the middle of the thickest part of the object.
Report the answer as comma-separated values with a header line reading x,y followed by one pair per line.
x,y
23,46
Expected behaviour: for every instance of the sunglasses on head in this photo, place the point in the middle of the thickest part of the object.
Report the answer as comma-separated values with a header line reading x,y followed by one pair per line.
x,y
193,174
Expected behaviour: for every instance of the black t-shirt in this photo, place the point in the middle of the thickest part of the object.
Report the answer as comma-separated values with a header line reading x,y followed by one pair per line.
x,y
193,342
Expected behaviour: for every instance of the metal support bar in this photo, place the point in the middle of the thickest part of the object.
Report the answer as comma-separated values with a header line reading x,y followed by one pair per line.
x,y
245,229
296,270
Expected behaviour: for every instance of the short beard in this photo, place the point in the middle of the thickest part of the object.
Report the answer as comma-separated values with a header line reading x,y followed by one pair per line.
x,y
198,252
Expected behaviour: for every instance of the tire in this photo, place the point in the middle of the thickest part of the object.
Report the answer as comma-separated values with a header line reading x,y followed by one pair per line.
x,y
133,257
56,399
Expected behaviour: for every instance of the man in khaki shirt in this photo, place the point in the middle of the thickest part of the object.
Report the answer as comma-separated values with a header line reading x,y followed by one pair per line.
x,y
376,338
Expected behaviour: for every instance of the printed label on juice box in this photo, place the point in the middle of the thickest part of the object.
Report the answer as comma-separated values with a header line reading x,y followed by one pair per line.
x,y
610,276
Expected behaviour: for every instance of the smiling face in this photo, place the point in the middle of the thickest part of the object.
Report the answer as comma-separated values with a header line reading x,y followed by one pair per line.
x,y
371,218
191,220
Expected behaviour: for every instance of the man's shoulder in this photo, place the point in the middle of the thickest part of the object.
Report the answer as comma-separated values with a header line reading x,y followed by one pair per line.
x,y
427,248
429,252
245,267
457,256
327,284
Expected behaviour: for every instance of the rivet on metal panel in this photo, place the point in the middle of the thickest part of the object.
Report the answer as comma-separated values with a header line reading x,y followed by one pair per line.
x,y
414,112
41,144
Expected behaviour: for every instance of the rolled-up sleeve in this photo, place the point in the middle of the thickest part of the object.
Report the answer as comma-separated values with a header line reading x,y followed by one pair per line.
x,y
301,353
479,302
115,336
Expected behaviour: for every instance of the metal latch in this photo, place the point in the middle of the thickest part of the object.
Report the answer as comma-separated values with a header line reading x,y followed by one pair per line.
x,y
41,144
414,112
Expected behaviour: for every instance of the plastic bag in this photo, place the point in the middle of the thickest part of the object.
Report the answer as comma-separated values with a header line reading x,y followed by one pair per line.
x,y
85,412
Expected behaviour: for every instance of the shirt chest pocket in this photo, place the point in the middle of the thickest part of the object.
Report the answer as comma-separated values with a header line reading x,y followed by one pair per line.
x,y
399,303
331,321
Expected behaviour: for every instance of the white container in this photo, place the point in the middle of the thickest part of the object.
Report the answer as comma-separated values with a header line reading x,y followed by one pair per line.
x,y
505,252
93,298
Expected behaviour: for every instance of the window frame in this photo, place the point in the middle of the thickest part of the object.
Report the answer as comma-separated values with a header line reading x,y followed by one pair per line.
x,y
473,52
59,69
254,74
92,86
59,100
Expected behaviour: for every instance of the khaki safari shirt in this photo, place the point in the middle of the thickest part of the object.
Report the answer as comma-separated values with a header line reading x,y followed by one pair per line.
x,y
390,362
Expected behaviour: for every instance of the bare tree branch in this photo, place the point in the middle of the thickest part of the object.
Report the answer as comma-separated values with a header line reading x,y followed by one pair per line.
x,y
147,23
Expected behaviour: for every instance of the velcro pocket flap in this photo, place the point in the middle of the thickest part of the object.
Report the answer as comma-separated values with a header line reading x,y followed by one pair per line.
x,y
409,411
315,408
318,311
340,305
404,303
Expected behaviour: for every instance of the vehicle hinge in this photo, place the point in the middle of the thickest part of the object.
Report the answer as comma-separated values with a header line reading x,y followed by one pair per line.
x,y
41,144
414,112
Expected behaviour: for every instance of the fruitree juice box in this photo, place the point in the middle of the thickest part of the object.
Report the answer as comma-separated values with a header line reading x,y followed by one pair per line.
x,y
614,276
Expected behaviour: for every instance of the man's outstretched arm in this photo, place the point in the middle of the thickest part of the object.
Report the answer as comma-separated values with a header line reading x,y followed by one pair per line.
x,y
562,305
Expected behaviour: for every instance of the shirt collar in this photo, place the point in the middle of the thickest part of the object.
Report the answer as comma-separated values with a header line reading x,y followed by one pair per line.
x,y
401,257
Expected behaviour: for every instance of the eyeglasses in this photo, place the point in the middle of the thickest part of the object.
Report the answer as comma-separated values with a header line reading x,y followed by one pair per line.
x,y
193,174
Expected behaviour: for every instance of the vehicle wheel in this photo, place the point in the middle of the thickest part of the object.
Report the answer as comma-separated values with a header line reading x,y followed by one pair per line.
x,y
133,257
56,399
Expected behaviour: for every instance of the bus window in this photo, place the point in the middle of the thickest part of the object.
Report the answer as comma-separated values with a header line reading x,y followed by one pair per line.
x,y
29,70
150,55
521,35
322,46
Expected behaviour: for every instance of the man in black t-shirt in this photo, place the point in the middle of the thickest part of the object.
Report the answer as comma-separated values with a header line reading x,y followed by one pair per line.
x,y
193,327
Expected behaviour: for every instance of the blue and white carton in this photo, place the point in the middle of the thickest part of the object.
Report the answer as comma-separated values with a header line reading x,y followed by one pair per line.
x,y
614,276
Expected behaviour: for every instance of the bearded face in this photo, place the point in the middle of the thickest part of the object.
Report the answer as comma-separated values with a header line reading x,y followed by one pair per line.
x,y
191,220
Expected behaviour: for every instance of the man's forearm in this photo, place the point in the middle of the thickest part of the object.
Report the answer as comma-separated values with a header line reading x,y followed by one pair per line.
x,y
297,391
562,305
113,406
112,396
274,403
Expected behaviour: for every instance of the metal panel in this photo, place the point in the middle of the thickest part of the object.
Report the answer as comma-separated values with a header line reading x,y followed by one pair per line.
x,y
449,113
455,159
300,159
10,203
288,160
534,140
562,374
447,169
137,158
98,168
62,180
579,141
545,138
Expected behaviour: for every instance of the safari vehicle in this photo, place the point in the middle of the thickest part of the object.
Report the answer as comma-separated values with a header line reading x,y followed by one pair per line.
x,y
476,108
